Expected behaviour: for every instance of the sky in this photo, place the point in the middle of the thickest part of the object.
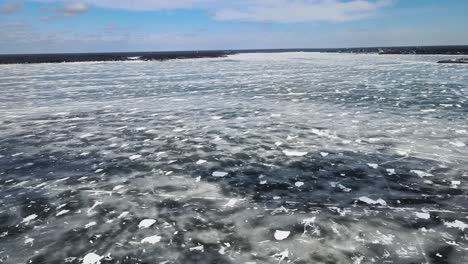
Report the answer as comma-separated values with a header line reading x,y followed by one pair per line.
x,y
60,26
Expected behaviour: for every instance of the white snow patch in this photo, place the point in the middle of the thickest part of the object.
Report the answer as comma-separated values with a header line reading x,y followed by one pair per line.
x,y
373,165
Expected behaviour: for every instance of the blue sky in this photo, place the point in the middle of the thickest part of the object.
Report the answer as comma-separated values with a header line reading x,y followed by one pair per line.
x,y
43,26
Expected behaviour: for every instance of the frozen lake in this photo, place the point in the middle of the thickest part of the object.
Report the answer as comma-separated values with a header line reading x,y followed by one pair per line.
x,y
253,158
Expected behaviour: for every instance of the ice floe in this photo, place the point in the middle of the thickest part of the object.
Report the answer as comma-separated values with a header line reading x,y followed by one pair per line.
x,y
146,223
457,224
368,200
219,174
134,157
29,218
92,258
201,161
281,235
421,174
292,153
423,215
151,239
299,184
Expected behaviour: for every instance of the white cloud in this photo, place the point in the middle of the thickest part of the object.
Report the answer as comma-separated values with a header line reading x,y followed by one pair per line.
x,y
139,5
285,11
66,10
281,11
70,9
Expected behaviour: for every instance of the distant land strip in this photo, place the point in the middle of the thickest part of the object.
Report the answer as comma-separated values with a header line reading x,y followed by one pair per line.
x,y
172,55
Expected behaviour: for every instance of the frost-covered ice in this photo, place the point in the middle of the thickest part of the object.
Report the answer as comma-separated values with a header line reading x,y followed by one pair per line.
x,y
352,158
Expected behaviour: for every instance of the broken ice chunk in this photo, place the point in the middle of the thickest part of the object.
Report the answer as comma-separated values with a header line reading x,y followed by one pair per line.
x,y
423,215
421,174
146,223
29,218
134,157
86,136
124,214
29,241
456,224
90,225
299,184
62,212
282,255
198,248
201,161
219,174
151,240
292,153
281,235
118,187
373,165
368,200
458,144
231,203
92,258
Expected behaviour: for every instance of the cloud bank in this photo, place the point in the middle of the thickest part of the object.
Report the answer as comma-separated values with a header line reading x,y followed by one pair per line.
x,y
71,9
10,7
280,11
285,11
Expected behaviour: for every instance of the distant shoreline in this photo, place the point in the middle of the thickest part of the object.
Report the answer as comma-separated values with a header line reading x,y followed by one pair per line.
x,y
164,56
